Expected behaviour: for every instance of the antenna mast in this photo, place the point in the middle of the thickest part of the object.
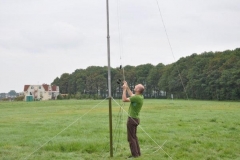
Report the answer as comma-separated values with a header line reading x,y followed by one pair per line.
x,y
109,83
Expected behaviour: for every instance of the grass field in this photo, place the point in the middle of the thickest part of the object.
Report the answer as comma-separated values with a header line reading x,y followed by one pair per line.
x,y
79,130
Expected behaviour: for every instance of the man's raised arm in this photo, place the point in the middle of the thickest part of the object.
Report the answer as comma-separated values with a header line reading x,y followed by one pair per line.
x,y
128,89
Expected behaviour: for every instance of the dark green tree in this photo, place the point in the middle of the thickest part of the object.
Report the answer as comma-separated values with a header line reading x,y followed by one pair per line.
x,y
63,83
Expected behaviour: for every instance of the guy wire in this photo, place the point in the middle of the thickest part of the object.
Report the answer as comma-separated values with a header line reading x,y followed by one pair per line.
x,y
160,147
63,130
171,48
120,114
118,132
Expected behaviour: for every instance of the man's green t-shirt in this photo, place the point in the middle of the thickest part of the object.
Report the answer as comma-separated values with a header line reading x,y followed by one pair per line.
x,y
135,105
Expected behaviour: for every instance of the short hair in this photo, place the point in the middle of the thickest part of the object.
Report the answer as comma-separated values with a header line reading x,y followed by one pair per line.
x,y
141,88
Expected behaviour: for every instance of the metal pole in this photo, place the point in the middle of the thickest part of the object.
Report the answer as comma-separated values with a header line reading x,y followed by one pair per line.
x,y
109,84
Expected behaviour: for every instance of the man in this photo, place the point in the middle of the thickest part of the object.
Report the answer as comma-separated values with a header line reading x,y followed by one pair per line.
x,y
133,115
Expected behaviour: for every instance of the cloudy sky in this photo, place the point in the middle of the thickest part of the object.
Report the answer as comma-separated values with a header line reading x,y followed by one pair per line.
x,y
42,39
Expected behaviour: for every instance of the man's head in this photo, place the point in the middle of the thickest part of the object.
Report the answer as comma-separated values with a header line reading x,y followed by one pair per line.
x,y
139,88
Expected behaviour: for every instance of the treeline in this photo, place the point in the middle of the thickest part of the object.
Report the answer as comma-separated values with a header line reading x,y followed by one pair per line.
x,y
208,76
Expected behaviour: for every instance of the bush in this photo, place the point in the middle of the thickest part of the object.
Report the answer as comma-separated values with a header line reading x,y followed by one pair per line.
x,y
5,99
59,97
68,96
78,95
19,98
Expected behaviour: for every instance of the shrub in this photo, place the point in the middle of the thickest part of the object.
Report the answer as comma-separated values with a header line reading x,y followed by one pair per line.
x,y
78,95
5,99
19,98
59,97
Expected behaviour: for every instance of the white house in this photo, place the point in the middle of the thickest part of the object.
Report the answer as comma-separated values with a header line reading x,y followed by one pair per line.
x,y
41,92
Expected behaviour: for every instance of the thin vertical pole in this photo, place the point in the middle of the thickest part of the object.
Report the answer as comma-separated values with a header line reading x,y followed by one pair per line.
x,y
109,83
110,127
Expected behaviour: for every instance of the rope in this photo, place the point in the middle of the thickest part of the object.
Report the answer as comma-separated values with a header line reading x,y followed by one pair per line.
x,y
118,132
123,73
120,43
63,130
145,131
171,48
120,37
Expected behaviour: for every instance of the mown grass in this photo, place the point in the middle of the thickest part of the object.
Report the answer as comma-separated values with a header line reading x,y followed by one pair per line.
x,y
76,130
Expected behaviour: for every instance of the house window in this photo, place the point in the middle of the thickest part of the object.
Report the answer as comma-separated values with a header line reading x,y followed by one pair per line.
x,y
31,87
39,87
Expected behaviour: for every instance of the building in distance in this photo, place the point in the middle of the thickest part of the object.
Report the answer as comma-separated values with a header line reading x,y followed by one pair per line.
x,y
41,92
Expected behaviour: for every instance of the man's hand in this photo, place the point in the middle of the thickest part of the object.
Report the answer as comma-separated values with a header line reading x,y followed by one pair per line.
x,y
125,88
125,85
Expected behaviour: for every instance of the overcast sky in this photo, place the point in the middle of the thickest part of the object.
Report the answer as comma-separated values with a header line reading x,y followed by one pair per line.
x,y
42,39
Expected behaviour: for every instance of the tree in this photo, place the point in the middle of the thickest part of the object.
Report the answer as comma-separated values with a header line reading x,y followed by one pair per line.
x,y
210,75
130,76
56,81
12,93
152,80
63,83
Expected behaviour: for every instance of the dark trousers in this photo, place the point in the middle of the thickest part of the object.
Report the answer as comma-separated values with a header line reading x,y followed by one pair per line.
x,y
132,124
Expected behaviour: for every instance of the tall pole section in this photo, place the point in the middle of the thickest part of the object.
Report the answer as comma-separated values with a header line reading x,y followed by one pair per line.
x,y
109,84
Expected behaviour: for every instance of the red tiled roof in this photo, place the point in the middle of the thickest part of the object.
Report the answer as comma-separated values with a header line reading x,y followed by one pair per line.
x,y
26,87
54,88
45,86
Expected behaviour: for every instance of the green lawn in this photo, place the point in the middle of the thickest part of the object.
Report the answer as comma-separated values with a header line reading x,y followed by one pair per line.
x,y
79,130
